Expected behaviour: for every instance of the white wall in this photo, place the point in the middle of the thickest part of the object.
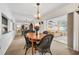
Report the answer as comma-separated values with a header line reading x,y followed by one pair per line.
x,y
5,39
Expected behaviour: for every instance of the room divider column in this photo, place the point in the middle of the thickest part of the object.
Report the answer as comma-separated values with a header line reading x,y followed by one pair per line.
x,y
73,31
76,32
70,30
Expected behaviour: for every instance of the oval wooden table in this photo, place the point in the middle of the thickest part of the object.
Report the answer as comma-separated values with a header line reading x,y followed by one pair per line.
x,y
33,38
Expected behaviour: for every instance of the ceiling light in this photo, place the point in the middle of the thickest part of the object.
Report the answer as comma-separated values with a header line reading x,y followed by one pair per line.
x,y
37,16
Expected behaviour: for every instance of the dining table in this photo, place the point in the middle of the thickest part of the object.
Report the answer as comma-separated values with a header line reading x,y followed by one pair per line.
x,y
34,38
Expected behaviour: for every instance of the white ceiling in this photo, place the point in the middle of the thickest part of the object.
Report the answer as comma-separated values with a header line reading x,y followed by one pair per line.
x,y
23,10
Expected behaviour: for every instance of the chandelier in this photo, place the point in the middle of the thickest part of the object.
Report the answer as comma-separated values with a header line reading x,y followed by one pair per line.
x,y
37,16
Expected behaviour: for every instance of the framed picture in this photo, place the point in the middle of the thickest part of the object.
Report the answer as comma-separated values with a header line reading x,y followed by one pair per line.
x,y
4,24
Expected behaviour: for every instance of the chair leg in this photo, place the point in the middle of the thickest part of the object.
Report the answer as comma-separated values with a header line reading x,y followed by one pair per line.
x,y
26,51
50,52
42,53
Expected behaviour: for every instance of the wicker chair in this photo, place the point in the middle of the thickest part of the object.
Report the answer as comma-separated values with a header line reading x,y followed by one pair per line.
x,y
45,43
28,43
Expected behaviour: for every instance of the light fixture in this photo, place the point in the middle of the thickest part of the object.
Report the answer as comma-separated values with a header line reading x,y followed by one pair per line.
x,y
37,16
